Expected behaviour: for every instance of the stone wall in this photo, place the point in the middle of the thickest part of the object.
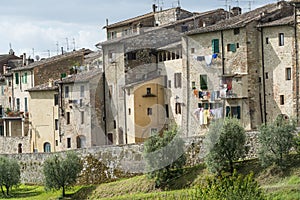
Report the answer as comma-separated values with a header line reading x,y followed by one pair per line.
x,y
10,145
125,158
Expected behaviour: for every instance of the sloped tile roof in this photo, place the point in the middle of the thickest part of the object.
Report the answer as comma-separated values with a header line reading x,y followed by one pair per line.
x,y
53,59
241,20
82,77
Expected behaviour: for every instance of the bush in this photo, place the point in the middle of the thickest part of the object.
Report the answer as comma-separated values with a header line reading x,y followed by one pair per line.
x,y
276,139
9,174
61,173
164,156
225,143
230,187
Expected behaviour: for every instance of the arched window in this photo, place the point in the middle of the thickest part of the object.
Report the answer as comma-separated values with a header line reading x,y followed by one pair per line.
x,y
80,141
20,148
47,147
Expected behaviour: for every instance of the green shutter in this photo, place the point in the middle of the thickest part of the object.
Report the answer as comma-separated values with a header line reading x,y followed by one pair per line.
x,y
228,111
239,112
203,82
25,77
215,46
17,78
232,48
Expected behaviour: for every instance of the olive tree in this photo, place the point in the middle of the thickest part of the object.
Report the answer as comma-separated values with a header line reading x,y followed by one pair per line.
x,y
224,143
62,172
165,156
276,139
9,174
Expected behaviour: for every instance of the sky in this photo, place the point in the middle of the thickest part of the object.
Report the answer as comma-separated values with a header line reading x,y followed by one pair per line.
x,y
42,27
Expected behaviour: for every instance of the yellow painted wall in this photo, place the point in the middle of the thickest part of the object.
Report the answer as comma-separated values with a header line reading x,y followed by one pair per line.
x,y
143,121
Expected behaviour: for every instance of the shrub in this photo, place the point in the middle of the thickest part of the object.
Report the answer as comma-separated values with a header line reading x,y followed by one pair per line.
x,y
230,187
164,156
225,143
276,139
61,173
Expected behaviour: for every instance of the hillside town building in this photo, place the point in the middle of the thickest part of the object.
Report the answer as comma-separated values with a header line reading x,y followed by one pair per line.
x,y
161,69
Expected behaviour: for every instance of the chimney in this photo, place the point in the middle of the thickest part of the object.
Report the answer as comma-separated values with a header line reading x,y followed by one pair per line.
x,y
50,82
4,68
235,11
24,59
154,8
62,50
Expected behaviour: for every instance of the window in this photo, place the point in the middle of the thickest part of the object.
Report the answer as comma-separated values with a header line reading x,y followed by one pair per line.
x,y
66,91
115,124
231,47
63,75
203,82
68,117
178,108
267,75
167,110
56,99
169,83
149,111
281,39
177,80
56,142
24,78
82,117
192,50
233,111
267,40
281,99
148,90
236,31
288,74
193,85
215,46
153,131
68,142
184,28
110,138
56,124
82,91
2,90
25,104
129,111
80,102
165,81
17,78
20,148
237,45
18,104
47,147
131,56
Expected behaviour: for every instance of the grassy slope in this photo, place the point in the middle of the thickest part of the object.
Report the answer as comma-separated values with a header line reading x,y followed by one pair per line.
x,y
277,184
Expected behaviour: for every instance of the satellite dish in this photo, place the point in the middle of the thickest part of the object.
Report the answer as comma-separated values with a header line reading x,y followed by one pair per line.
x,y
37,57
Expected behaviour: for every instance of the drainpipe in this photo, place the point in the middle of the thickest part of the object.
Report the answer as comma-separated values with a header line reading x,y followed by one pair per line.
x,y
187,86
297,60
125,113
223,67
263,75
104,104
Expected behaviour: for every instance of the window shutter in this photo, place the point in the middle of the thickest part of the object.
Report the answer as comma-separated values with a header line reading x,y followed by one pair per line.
x,y
215,46
228,111
239,112
232,48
